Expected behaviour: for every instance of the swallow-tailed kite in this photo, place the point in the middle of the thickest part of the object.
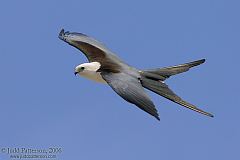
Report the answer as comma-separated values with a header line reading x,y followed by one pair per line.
x,y
128,82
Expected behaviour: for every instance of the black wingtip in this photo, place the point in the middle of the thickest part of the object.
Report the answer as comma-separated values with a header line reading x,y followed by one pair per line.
x,y
210,115
157,117
62,31
61,34
195,63
202,60
198,62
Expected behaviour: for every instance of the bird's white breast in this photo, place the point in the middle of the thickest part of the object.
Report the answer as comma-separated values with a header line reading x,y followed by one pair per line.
x,y
92,75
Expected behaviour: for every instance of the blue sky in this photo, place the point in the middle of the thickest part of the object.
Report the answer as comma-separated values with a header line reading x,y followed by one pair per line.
x,y
43,104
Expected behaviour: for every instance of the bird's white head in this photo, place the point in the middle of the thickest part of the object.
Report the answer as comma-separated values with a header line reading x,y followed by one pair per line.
x,y
90,71
87,67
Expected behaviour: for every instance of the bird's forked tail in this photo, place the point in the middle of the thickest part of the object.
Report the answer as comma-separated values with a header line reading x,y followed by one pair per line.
x,y
153,80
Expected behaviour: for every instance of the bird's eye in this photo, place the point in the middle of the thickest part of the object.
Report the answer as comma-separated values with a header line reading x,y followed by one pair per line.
x,y
82,68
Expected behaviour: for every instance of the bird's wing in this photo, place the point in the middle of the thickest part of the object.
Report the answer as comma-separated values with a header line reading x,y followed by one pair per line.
x,y
163,90
92,49
130,89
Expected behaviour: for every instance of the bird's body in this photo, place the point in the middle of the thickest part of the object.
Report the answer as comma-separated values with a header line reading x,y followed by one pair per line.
x,y
94,76
127,81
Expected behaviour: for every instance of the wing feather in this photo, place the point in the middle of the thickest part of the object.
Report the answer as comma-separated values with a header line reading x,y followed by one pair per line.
x,y
93,50
131,90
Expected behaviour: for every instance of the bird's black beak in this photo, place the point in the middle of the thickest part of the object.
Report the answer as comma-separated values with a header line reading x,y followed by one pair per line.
x,y
75,73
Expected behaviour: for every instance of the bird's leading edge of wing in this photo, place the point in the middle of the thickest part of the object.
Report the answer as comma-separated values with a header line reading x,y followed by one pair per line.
x,y
92,49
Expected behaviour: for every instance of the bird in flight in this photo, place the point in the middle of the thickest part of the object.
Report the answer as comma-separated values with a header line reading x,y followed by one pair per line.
x,y
128,82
